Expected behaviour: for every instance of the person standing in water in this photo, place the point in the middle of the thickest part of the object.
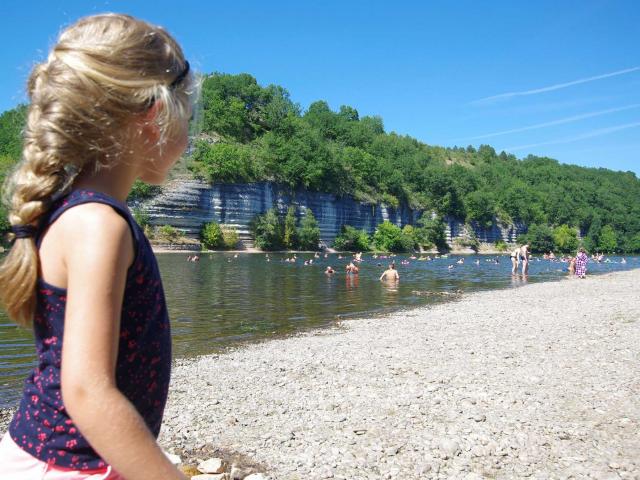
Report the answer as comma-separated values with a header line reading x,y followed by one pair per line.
x,y
581,263
515,261
111,104
523,257
390,274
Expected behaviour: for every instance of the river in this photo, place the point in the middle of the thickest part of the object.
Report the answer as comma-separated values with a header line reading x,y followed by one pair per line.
x,y
226,299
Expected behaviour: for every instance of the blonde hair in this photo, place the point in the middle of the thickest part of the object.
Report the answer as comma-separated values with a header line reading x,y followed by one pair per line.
x,y
104,70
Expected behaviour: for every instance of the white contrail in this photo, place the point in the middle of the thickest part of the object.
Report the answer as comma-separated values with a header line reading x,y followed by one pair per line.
x,y
560,121
593,133
553,87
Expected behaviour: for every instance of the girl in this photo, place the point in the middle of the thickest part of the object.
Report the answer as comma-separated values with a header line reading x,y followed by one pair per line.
x,y
110,105
581,263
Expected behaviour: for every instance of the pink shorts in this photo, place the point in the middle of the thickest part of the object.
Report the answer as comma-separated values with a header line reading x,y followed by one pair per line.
x,y
16,464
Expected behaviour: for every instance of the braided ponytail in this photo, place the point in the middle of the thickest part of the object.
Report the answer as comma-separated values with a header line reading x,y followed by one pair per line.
x,y
104,69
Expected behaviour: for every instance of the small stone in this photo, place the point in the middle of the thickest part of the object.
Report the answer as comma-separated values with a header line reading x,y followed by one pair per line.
x,y
449,447
478,451
210,476
213,465
391,451
174,459
473,476
256,476
480,418
238,473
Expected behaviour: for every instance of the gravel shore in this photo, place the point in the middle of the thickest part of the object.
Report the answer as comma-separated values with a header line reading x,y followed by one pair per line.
x,y
541,381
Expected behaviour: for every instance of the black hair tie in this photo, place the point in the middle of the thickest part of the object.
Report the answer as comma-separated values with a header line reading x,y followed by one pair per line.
x,y
181,75
23,231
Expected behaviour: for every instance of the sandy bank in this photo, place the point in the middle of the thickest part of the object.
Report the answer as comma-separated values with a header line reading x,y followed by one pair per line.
x,y
539,381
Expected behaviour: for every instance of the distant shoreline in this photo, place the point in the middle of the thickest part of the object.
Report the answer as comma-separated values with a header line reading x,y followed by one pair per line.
x,y
330,251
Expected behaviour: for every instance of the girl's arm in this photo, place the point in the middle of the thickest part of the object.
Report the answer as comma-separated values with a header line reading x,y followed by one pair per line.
x,y
97,262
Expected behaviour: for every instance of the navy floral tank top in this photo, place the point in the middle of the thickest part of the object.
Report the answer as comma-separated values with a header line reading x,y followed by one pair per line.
x,y
41,426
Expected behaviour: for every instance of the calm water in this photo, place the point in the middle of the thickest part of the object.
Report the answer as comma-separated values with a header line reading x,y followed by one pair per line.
x,y
223,300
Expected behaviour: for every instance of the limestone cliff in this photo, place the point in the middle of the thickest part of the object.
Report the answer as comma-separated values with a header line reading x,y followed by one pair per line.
x,y
188,203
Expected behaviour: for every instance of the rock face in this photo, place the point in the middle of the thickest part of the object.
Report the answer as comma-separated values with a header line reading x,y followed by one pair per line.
x,y
455,228
188,203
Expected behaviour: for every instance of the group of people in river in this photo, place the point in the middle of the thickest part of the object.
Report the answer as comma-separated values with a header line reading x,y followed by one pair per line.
x,y
520,259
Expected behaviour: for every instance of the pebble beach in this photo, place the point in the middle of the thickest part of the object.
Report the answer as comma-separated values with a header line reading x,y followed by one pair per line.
x,y
540,381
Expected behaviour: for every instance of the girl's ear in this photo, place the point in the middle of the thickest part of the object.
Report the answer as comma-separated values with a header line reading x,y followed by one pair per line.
x,y
147,121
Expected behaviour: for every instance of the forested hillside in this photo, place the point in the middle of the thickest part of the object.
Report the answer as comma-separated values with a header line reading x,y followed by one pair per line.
x,y
245,132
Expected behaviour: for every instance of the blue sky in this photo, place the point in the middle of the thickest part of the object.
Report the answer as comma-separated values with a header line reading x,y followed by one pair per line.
x,y
560,79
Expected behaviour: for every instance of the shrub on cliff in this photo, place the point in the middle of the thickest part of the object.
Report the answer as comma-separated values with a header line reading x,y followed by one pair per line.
x,y
352,240
309,232
229,237
141,218
223,162
390,238
211,236
501,246
141,191
267,230
431,232
468,239
167,233
290,237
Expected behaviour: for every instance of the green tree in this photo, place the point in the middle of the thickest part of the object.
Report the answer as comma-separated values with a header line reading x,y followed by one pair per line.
x,y
141,217
211,236
469,239
6,165
12,123
230,237
142,191
267,230
309,232
480,207
168,233
592,240
539,237
223,162
390,238
409,238
352,240
632,244
565,239
431,232
290,239
608,241
501,246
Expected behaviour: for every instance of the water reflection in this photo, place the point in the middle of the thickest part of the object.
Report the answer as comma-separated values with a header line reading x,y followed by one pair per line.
x,y
223,299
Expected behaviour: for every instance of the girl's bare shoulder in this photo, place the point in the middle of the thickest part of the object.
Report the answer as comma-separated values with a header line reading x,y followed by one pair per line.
x,y
86,234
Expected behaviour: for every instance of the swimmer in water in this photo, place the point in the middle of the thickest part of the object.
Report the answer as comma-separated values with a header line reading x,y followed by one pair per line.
x,y
390,274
